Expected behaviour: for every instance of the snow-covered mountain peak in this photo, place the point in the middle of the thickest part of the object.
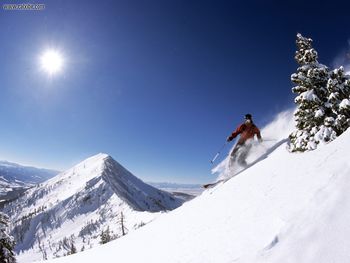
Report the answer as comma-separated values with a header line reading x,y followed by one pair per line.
x,y
80,203
139,195
100,157
103,169
88,166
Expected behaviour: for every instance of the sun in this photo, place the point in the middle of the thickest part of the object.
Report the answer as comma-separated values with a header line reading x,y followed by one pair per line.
x,y
51,61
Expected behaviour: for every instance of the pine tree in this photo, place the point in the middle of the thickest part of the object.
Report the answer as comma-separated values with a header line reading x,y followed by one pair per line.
x,y
6,242
312,121
338,87
105,236
121,221
323,99
73,249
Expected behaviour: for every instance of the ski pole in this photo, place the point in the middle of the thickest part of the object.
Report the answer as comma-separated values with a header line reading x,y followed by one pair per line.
x,y
218,153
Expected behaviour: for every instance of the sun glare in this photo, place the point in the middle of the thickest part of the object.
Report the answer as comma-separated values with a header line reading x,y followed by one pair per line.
x,y
51,61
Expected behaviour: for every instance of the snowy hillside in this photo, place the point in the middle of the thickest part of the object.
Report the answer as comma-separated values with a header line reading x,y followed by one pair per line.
x,y
15,178
284,208
68,212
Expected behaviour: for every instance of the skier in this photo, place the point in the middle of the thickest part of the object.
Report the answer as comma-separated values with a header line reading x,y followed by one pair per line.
x,y
247,130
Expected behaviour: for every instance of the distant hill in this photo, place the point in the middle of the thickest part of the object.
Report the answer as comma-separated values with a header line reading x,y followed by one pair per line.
x,y
16,178
185,191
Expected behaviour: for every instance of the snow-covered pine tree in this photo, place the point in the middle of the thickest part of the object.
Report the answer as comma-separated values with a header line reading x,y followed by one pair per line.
x,y
338,87
105,236
6,241
311,115
73,249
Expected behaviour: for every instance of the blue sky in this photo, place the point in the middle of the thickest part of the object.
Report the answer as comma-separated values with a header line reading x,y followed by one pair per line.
x,y
158,85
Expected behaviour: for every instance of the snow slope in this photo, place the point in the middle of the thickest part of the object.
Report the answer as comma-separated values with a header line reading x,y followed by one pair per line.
x,y
73,208
284,208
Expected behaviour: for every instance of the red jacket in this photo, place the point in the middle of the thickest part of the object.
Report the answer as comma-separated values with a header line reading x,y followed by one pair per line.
x,y
247,132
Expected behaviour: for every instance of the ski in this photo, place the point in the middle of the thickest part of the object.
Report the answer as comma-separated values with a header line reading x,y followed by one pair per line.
x,y
210,185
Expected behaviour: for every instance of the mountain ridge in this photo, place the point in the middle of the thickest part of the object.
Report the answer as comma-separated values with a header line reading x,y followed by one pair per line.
x,y
77,204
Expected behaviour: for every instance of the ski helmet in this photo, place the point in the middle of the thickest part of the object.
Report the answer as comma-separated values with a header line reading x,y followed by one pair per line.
x,y
248,116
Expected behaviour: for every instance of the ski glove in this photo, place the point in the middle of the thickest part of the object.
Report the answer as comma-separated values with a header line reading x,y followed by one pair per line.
x,y
230,138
